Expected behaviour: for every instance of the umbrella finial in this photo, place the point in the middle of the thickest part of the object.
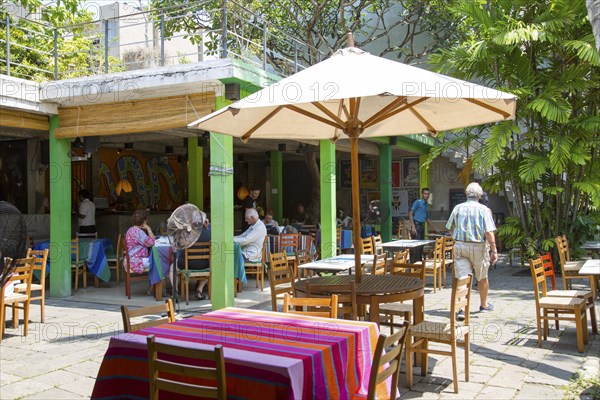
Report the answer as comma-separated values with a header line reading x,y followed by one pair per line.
x,y
350,39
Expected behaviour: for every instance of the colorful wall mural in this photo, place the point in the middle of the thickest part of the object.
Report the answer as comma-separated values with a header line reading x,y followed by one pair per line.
x,y
157,182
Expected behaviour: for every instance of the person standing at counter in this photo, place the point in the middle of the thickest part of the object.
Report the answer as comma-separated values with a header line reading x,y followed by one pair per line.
x,y
86,213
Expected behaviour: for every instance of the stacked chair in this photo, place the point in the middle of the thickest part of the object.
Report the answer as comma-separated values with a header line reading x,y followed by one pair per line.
x,y
569,268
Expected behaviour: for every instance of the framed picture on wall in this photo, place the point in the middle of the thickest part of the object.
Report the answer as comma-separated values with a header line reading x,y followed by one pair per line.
x,y
345,174
368,174
399,203
410,171
395,173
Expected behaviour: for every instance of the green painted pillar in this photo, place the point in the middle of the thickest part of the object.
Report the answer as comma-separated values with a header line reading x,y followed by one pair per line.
x,y
385,189
328,199
221,207
195,173
60,213
277,184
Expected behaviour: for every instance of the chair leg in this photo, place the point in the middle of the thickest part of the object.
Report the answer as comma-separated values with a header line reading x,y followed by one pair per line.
x,y
454,370
261,275
539,328
579,329
424,357
593,320
26,315
15,315
391,324
42,305
76,277
408,361
467,351
84,276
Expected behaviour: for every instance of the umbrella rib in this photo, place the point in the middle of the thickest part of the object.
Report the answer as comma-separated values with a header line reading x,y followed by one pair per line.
x,y
396,111
424,121
313,116
396,103
247,135
489,107
329,113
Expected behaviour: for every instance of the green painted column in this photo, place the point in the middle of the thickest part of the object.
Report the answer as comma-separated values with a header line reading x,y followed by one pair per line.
x,y
277,184
221,209
328,199
385,189
60,213
195,173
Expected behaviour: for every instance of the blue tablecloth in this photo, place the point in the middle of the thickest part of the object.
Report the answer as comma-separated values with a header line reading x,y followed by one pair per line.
x,y
160,263
345,239
239,271
93,251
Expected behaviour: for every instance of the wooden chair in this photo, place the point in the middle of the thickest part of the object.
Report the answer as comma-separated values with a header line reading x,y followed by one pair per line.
x,y
561,308
388,364
289,243
191,366
569,268
442,332
326,307
116,261
258,268
346,293
130,276
199,251
377,244
448,257
379,264
549,269
434,267
281,277
78,267
156,311
17,300
303,257
401,257
367,246
402,309
40,258
338,240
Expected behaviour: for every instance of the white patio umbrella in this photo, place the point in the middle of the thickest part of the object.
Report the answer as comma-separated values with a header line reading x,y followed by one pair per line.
x,y
356,94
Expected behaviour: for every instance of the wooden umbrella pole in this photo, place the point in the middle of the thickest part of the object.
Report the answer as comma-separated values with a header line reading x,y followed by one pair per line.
x,y
355,206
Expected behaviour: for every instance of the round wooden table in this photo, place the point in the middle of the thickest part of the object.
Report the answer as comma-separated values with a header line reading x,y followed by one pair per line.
x,y
377,289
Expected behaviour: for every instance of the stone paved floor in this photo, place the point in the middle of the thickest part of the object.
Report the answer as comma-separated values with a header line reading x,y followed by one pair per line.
x,y
60,358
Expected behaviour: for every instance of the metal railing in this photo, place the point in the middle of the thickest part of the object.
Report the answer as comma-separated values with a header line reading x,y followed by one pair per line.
x,y
147,39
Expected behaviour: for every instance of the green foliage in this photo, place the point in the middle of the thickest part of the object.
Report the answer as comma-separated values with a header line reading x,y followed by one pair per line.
x,y
543,52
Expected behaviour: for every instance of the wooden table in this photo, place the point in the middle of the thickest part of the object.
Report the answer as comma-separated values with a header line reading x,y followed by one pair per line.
x,y
377,289
406,244
591,246
268,355
590,267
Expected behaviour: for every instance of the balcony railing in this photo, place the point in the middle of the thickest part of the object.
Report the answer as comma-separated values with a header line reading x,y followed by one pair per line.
x,y
147,39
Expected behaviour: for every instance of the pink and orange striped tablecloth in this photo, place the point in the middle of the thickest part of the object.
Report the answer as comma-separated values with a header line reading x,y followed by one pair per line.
x,y
268,355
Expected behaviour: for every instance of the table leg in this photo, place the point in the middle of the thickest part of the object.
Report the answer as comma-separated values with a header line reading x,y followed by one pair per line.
x,y
96,282
374,310
418,316
158,289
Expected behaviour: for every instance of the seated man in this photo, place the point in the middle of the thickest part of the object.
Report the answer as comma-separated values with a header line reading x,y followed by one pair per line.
x,y
251,241
271,225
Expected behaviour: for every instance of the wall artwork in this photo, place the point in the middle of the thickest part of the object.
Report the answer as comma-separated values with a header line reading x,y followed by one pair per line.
x,y
400,203
368,174
410,171
345,174
396,174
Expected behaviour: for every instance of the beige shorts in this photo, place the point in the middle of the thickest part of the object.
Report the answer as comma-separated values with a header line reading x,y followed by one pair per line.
x,y
471,257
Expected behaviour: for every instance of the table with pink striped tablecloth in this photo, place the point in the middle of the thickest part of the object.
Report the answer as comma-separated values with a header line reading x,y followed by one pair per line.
x,y
268,355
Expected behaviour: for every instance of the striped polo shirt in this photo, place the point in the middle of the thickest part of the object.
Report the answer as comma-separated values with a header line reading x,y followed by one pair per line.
x,y
470,221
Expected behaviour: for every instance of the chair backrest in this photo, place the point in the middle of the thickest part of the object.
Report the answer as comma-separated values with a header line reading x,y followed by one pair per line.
x,y
401,256
281,277
289,240
22,272
338,237
40,259
438,252
367,246
198,251
75,251
538,276
158,310
388,364
160,363
549,268
460,300
410,270
404,230
448,248
346,293
316,306
379,264
377,244
562,245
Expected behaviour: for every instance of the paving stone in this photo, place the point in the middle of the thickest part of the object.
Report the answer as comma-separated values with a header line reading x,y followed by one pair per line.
x,y
23,388
58,377
58,394
87,369
7,379
83,387
496,393
508,379
531,391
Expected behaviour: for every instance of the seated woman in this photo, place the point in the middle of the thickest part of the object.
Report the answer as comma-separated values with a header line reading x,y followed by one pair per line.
x,y
271,225
139,240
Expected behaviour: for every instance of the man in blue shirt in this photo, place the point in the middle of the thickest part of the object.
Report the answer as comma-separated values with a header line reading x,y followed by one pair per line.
x,y
418,215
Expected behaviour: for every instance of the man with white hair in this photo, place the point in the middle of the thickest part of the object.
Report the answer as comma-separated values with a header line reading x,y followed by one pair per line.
x,y
471,224
251,241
